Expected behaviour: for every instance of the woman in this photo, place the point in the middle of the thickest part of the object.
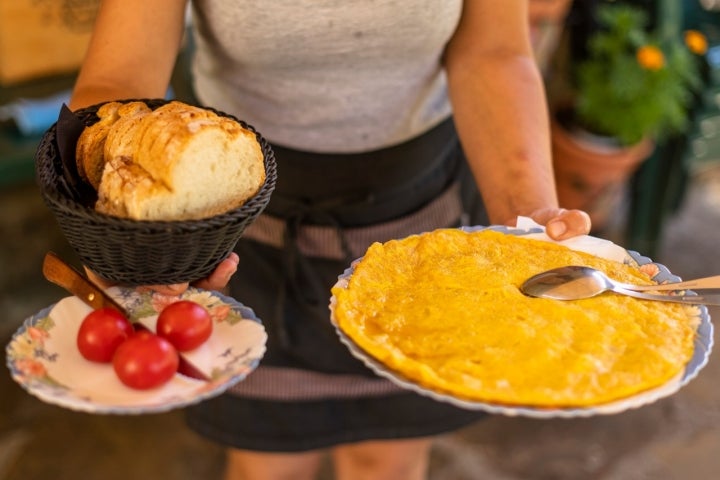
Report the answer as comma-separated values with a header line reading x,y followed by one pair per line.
x,y
371,108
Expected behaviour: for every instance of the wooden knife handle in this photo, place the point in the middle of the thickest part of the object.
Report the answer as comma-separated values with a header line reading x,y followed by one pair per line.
x,y
64,275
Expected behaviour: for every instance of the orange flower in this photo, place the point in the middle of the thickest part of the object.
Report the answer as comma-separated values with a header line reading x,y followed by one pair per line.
x,y
219,312
650,269
37,334
696,42
31,368
160,301
650,57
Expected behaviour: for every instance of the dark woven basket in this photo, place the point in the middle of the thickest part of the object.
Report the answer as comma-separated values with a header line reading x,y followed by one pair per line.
x,y
132,252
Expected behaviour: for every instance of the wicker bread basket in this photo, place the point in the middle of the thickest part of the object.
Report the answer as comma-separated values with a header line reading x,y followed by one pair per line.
x,y
132,252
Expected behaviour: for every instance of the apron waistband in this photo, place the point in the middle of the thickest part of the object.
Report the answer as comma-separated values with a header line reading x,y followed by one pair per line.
x,y
355,190
327,241
319,176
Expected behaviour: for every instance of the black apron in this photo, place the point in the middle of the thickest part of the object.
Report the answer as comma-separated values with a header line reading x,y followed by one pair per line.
x,y
289,290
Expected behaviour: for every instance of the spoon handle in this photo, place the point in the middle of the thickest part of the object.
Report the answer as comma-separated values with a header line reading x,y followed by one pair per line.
x,y
690,299
699,283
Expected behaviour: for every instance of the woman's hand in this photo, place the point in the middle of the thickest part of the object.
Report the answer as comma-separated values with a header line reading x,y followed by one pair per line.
x,y
217,280
561,224
220,277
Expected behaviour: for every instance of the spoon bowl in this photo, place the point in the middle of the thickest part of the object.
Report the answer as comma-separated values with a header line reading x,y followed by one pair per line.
x,y
577,282
567,283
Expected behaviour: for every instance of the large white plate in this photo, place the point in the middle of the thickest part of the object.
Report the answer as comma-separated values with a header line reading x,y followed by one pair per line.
x,y
43,358
601,248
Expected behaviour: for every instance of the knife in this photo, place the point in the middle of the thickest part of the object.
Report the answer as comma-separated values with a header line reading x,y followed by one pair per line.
x,y
64,275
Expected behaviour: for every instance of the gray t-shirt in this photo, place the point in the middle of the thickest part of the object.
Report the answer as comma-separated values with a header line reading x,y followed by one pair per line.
x,y
327,75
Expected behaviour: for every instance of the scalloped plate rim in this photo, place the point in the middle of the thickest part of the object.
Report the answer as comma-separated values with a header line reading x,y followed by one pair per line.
x,y
701,354
45,393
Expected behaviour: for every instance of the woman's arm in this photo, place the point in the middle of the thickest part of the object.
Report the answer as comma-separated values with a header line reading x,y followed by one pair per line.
x,y
132,51
501,115
131,55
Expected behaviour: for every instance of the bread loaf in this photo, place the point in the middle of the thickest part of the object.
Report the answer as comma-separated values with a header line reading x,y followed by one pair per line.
x,y
176,162
89,153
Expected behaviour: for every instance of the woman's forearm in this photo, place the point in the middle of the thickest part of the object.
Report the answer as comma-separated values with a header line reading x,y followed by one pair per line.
x,y
500,110
140,63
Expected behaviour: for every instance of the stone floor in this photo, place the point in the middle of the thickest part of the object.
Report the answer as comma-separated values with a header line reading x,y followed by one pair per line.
x,y
675,438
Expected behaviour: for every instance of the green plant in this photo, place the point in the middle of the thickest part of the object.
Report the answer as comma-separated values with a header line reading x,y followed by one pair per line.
x,y
636,83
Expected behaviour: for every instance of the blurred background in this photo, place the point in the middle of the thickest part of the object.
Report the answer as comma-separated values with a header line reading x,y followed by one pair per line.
x,y
662,200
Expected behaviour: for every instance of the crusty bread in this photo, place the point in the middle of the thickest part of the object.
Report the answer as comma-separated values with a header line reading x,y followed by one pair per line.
x,y
177,162
122,137
89,152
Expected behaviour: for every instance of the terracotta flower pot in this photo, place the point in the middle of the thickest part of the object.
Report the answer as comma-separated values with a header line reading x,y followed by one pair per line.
x,y
591,175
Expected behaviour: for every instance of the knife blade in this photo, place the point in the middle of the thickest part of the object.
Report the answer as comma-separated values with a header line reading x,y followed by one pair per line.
x,y
66,276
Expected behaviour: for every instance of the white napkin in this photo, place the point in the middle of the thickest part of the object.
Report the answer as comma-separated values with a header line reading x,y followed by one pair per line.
x,y
584,243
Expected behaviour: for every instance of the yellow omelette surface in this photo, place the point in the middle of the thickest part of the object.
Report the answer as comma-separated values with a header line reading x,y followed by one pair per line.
x,y
444,309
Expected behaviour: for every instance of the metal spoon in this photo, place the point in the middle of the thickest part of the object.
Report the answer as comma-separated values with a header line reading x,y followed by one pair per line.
x,y
577,282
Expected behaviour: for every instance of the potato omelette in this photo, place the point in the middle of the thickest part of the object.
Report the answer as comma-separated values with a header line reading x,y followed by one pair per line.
x,y
444,310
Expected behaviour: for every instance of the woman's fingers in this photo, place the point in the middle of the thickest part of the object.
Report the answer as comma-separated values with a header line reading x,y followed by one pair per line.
x,y
220,277
217,280
99,281
175,289
561,224
169,290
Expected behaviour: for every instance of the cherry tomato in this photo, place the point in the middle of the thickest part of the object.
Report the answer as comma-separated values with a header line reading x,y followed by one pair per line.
x,y
100,334
185,324
145,361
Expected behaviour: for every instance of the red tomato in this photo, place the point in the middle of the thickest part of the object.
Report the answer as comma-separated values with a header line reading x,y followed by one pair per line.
x,y
185,324
145,361
100,334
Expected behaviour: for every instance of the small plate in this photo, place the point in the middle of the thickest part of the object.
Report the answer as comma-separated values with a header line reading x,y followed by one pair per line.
x,y
43,358
596,246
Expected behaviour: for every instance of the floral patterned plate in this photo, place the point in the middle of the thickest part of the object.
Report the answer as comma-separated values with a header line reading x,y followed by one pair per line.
x,y
43,358
596,246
